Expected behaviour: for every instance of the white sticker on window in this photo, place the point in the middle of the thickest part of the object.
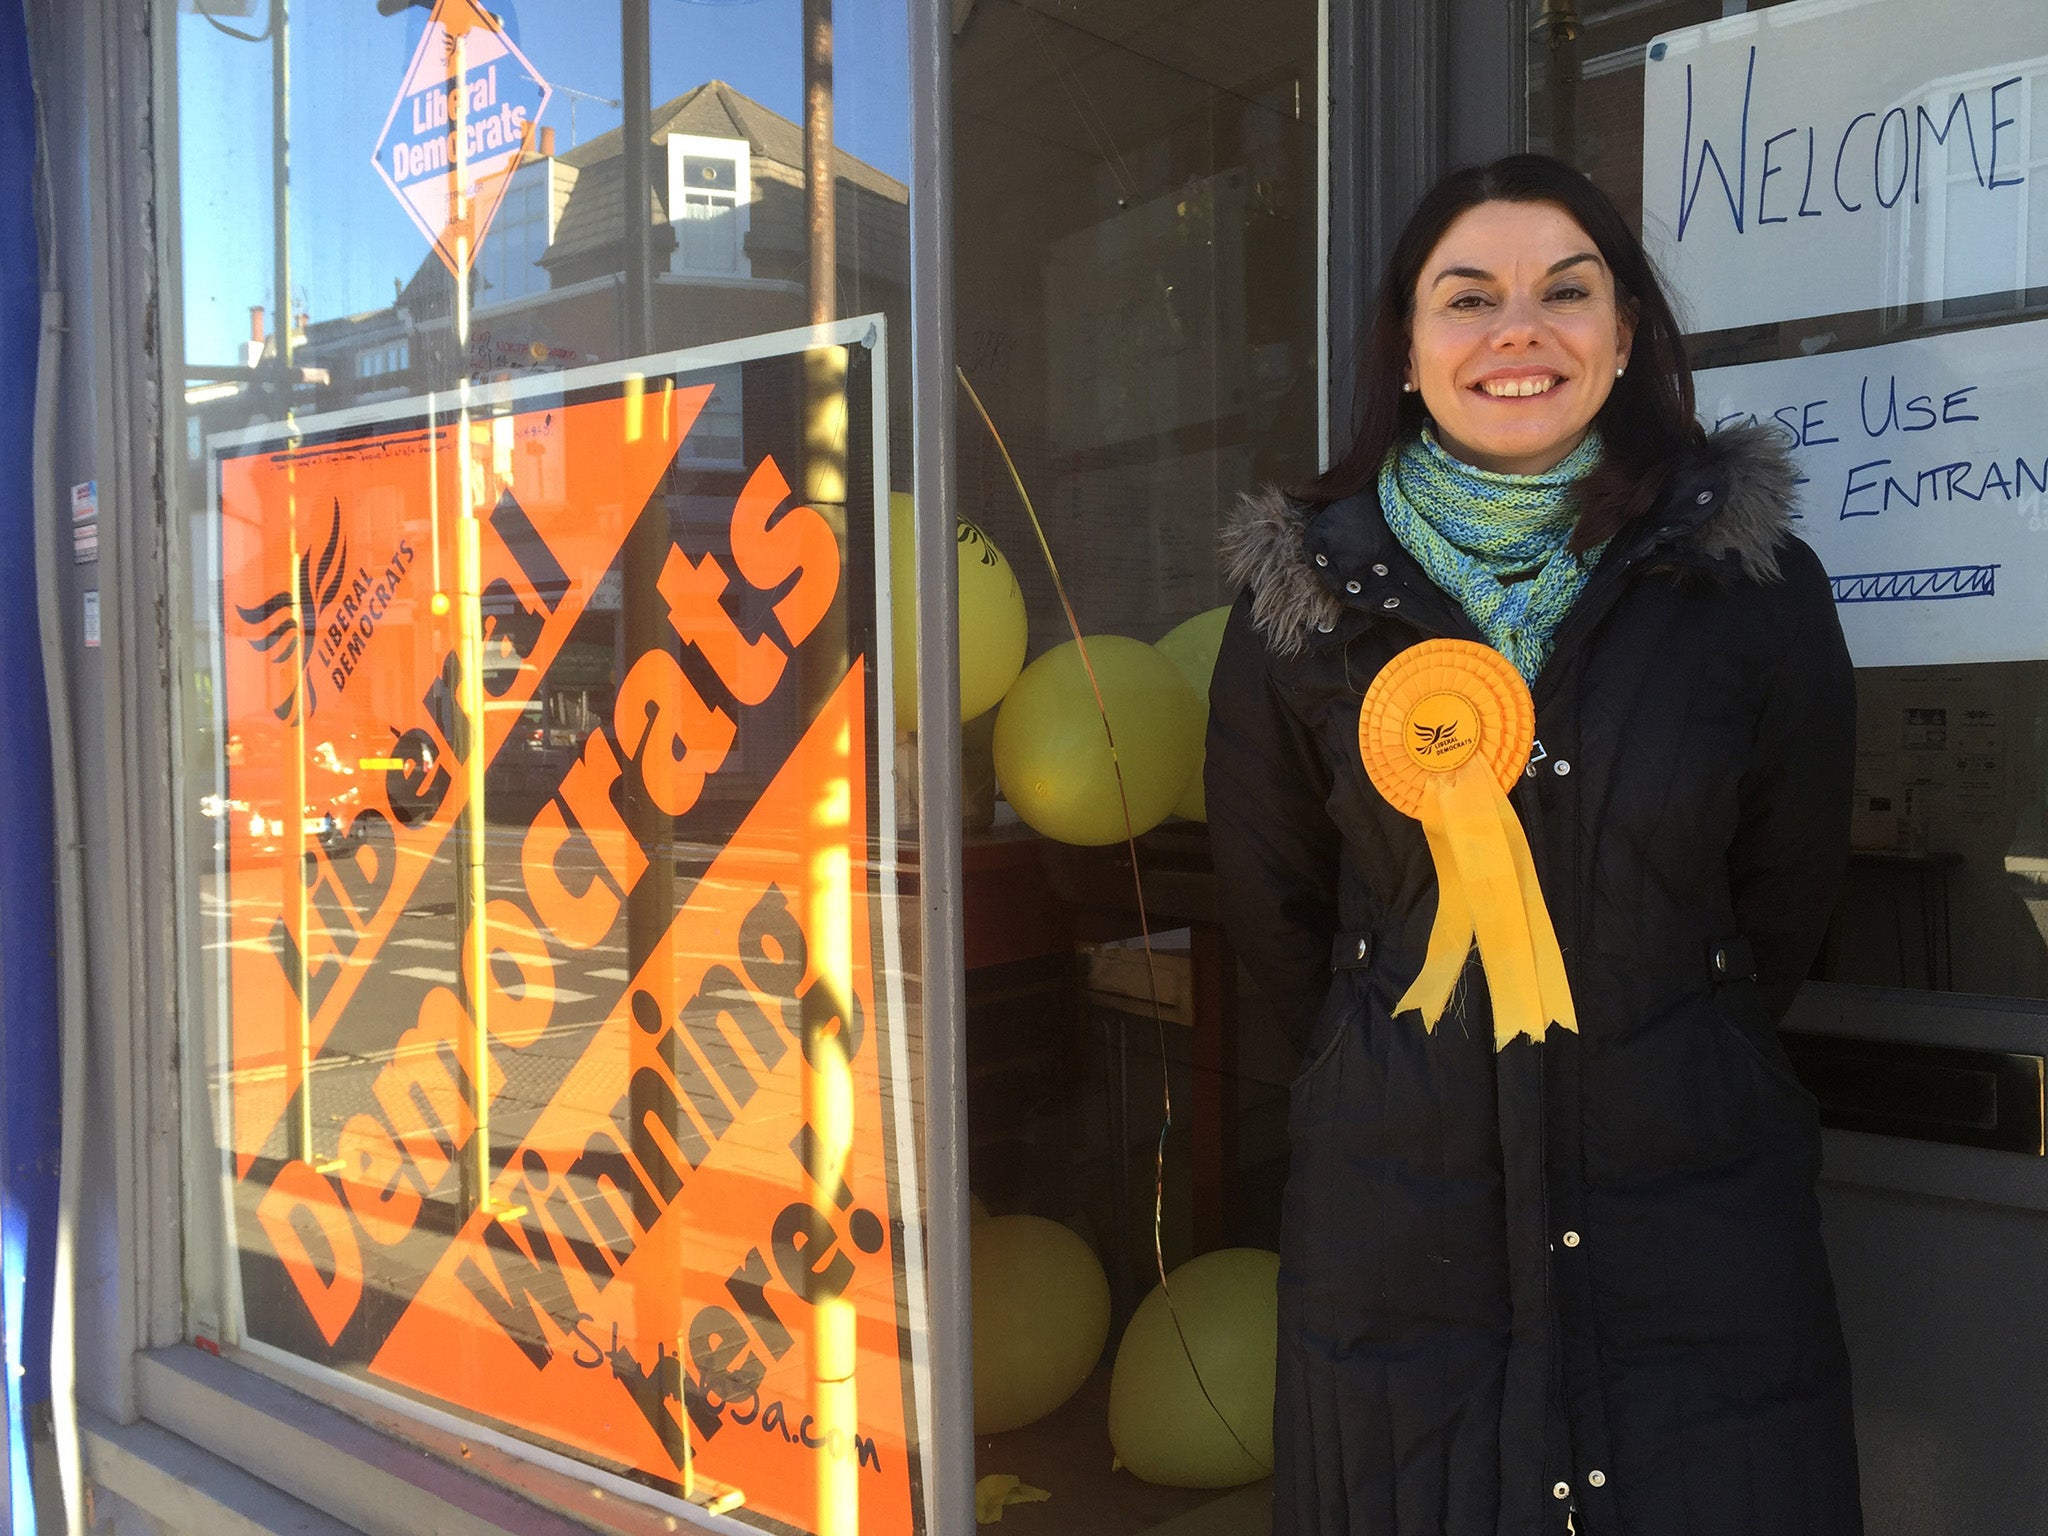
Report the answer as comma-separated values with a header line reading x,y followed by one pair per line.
x,y
1925,488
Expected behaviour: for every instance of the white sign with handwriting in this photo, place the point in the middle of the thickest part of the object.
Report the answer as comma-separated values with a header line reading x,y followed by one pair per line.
x,y
1838,155
1924,487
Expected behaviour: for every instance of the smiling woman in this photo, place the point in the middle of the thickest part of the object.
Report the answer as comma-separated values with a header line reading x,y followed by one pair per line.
x,y
1510,274
1550,1254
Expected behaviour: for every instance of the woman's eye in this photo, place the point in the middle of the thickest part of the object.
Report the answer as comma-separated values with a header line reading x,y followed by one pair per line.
x,y
1569,293
1468,301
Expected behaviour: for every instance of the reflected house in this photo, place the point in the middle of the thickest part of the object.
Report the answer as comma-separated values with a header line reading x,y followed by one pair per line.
x,y
729,258
729,255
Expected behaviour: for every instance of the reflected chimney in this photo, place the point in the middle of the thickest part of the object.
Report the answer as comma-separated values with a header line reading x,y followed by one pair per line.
x,y
547,142
256,324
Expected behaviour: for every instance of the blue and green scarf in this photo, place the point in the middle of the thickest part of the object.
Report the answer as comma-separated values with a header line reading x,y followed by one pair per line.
x,y
1494,542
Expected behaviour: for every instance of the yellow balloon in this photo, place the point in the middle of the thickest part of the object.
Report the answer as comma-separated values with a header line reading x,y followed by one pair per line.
x,y
1041,1317
993,626
1192,647
1052,758
1162,1426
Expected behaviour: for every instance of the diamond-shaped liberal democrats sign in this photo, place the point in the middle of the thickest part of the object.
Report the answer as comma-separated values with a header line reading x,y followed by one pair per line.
x,y
468,109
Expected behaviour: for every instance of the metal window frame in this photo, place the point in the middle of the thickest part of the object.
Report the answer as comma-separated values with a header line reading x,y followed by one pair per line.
x,y
1416,87
96,82
934,486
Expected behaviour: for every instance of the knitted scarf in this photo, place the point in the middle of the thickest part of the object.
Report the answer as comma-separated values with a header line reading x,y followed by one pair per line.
x,y
1494,542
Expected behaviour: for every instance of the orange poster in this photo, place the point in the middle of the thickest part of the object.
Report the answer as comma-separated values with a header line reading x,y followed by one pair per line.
x,y
561,1088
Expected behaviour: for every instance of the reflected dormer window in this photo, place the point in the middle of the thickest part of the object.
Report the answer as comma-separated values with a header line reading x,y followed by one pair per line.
x,y
710,188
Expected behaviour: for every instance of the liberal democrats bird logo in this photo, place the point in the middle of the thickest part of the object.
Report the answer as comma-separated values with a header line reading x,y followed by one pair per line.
x,y
287,638
1431,737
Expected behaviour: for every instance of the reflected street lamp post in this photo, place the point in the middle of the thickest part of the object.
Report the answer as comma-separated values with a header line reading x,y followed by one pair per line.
x,y
828,1005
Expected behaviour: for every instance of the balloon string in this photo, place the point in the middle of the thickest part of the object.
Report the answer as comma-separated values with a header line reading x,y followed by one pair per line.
x,y
1144,922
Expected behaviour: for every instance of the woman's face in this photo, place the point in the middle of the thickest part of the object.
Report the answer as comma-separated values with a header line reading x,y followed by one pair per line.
x,y
1516,336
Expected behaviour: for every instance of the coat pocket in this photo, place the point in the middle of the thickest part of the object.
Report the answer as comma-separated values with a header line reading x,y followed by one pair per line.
x,y
1681,1093
1740,1007
1340,1015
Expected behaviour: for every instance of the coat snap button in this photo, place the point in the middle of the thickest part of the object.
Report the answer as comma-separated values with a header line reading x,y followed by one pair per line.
x,y
1596,1479
1571,1239
1704,497
1325,627
1392,602
1322,559
1561,768
1379,570
1560,1490
1353,588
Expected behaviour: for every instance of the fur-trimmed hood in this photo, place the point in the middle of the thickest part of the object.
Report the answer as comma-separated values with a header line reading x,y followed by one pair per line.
x,y
1728,508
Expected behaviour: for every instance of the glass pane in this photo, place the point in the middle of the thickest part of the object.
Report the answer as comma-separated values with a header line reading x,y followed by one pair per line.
x,y
710,234
1913,422
1586,84
554,1012
1981,253
1950,884
1136,300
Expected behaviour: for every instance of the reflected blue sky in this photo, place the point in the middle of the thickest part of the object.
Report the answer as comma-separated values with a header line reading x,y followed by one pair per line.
x,y
351,241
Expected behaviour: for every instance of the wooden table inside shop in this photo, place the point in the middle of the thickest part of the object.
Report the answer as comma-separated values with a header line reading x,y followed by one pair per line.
x,y
1026,897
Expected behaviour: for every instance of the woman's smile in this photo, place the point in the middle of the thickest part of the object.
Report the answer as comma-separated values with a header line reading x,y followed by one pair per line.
x,y
1518,383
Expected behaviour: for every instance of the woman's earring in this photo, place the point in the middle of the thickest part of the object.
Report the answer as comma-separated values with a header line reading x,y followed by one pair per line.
x,y
1619,372
1407,387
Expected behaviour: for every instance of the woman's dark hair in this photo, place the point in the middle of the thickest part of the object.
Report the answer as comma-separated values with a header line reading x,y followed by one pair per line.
x,y
1648,418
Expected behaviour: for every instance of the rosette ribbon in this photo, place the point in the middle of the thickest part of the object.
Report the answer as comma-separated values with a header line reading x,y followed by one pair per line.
x,y
1445,731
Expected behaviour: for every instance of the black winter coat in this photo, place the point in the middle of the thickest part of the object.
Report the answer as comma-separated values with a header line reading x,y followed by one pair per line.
x,y
1578,1280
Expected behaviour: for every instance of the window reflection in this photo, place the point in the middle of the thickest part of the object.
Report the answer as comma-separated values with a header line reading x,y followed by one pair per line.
x,y
1136,298
1945,886
545,859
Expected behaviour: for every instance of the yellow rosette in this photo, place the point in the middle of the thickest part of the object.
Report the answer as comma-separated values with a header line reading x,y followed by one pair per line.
x,y
1445,731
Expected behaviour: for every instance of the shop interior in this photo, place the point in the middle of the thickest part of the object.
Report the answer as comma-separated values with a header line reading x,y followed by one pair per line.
x,y
1136,299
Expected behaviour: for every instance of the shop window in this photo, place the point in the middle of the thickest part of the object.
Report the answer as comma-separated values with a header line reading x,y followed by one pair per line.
x,y
550,1063
1136,292
1879,308
1869,278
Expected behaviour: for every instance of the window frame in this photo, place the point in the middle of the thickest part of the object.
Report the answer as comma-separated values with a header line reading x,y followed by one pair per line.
x,y
687,146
